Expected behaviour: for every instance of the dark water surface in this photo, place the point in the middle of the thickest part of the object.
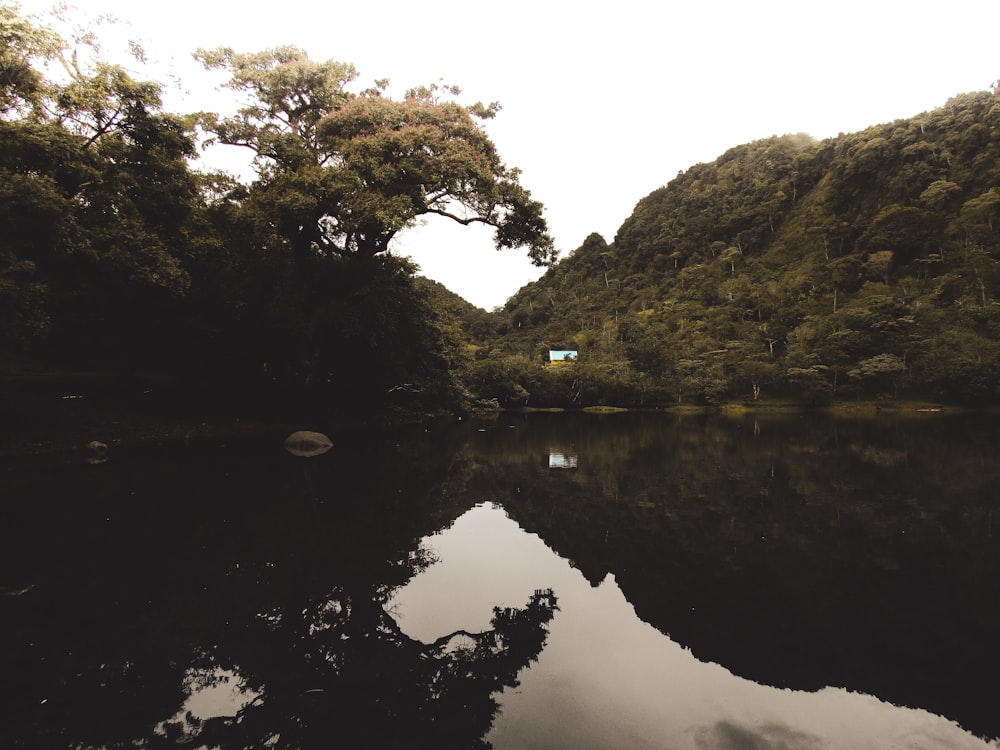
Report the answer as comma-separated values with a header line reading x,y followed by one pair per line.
x,y
533,581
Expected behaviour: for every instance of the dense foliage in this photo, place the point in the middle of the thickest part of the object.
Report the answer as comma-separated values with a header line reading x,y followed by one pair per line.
x,y
117,256
861,266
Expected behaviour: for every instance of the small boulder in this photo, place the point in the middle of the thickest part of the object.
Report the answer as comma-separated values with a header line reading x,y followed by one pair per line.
x,y
97,452
306,443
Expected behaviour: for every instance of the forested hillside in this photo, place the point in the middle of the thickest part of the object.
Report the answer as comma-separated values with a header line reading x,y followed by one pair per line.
x,y
859,266
862,266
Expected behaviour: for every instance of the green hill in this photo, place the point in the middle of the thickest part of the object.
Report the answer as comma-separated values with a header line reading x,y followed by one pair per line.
x,y
861,266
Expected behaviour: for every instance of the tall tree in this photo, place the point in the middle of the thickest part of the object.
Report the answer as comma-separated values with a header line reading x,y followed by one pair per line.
x,y
343,173
339,175
97,198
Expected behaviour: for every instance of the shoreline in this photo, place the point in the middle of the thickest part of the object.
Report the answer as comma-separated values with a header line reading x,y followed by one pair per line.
x,y
46,413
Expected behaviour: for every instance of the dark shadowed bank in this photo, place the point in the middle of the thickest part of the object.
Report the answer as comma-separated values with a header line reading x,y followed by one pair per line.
x,y
45,413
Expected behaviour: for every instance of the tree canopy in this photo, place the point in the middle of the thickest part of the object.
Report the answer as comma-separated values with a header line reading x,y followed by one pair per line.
x,y
345,172
98,196
116,253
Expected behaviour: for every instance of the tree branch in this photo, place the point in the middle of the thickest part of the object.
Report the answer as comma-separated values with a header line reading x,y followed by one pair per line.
x,y
103,129
463,221
444,639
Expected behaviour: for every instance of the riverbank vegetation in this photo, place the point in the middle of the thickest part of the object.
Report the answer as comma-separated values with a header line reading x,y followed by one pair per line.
x,y
859,267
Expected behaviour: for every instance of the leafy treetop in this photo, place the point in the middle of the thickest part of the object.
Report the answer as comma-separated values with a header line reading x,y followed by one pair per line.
x,y
342,173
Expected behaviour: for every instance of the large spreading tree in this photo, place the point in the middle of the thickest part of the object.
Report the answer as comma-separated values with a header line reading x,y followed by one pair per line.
x,y
339,174
113,251
342,173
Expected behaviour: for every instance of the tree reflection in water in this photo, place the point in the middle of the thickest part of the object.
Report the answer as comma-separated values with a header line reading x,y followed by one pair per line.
x,y
155,577
344,669
795,552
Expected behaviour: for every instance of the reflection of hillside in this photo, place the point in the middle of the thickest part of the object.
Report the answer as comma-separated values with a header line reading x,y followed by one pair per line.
x,y
815,552
799,553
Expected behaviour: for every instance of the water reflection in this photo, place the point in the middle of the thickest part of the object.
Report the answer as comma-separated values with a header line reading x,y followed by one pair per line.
x,y
239,601
607,679
805,553
722,583
562,460
211,694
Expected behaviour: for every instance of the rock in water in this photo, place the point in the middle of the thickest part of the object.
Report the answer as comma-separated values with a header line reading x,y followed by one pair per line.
x,y
97,452
307,443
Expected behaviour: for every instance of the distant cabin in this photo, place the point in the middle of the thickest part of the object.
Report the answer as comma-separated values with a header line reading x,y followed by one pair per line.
x,y
561,356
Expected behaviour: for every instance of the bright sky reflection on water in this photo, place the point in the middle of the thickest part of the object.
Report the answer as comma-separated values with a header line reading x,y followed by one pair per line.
x,y
607,679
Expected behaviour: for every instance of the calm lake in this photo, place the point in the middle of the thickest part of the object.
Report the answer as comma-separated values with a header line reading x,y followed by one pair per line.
x,y
526,581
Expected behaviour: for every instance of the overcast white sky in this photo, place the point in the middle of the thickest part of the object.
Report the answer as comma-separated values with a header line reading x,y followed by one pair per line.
x,y
602,103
